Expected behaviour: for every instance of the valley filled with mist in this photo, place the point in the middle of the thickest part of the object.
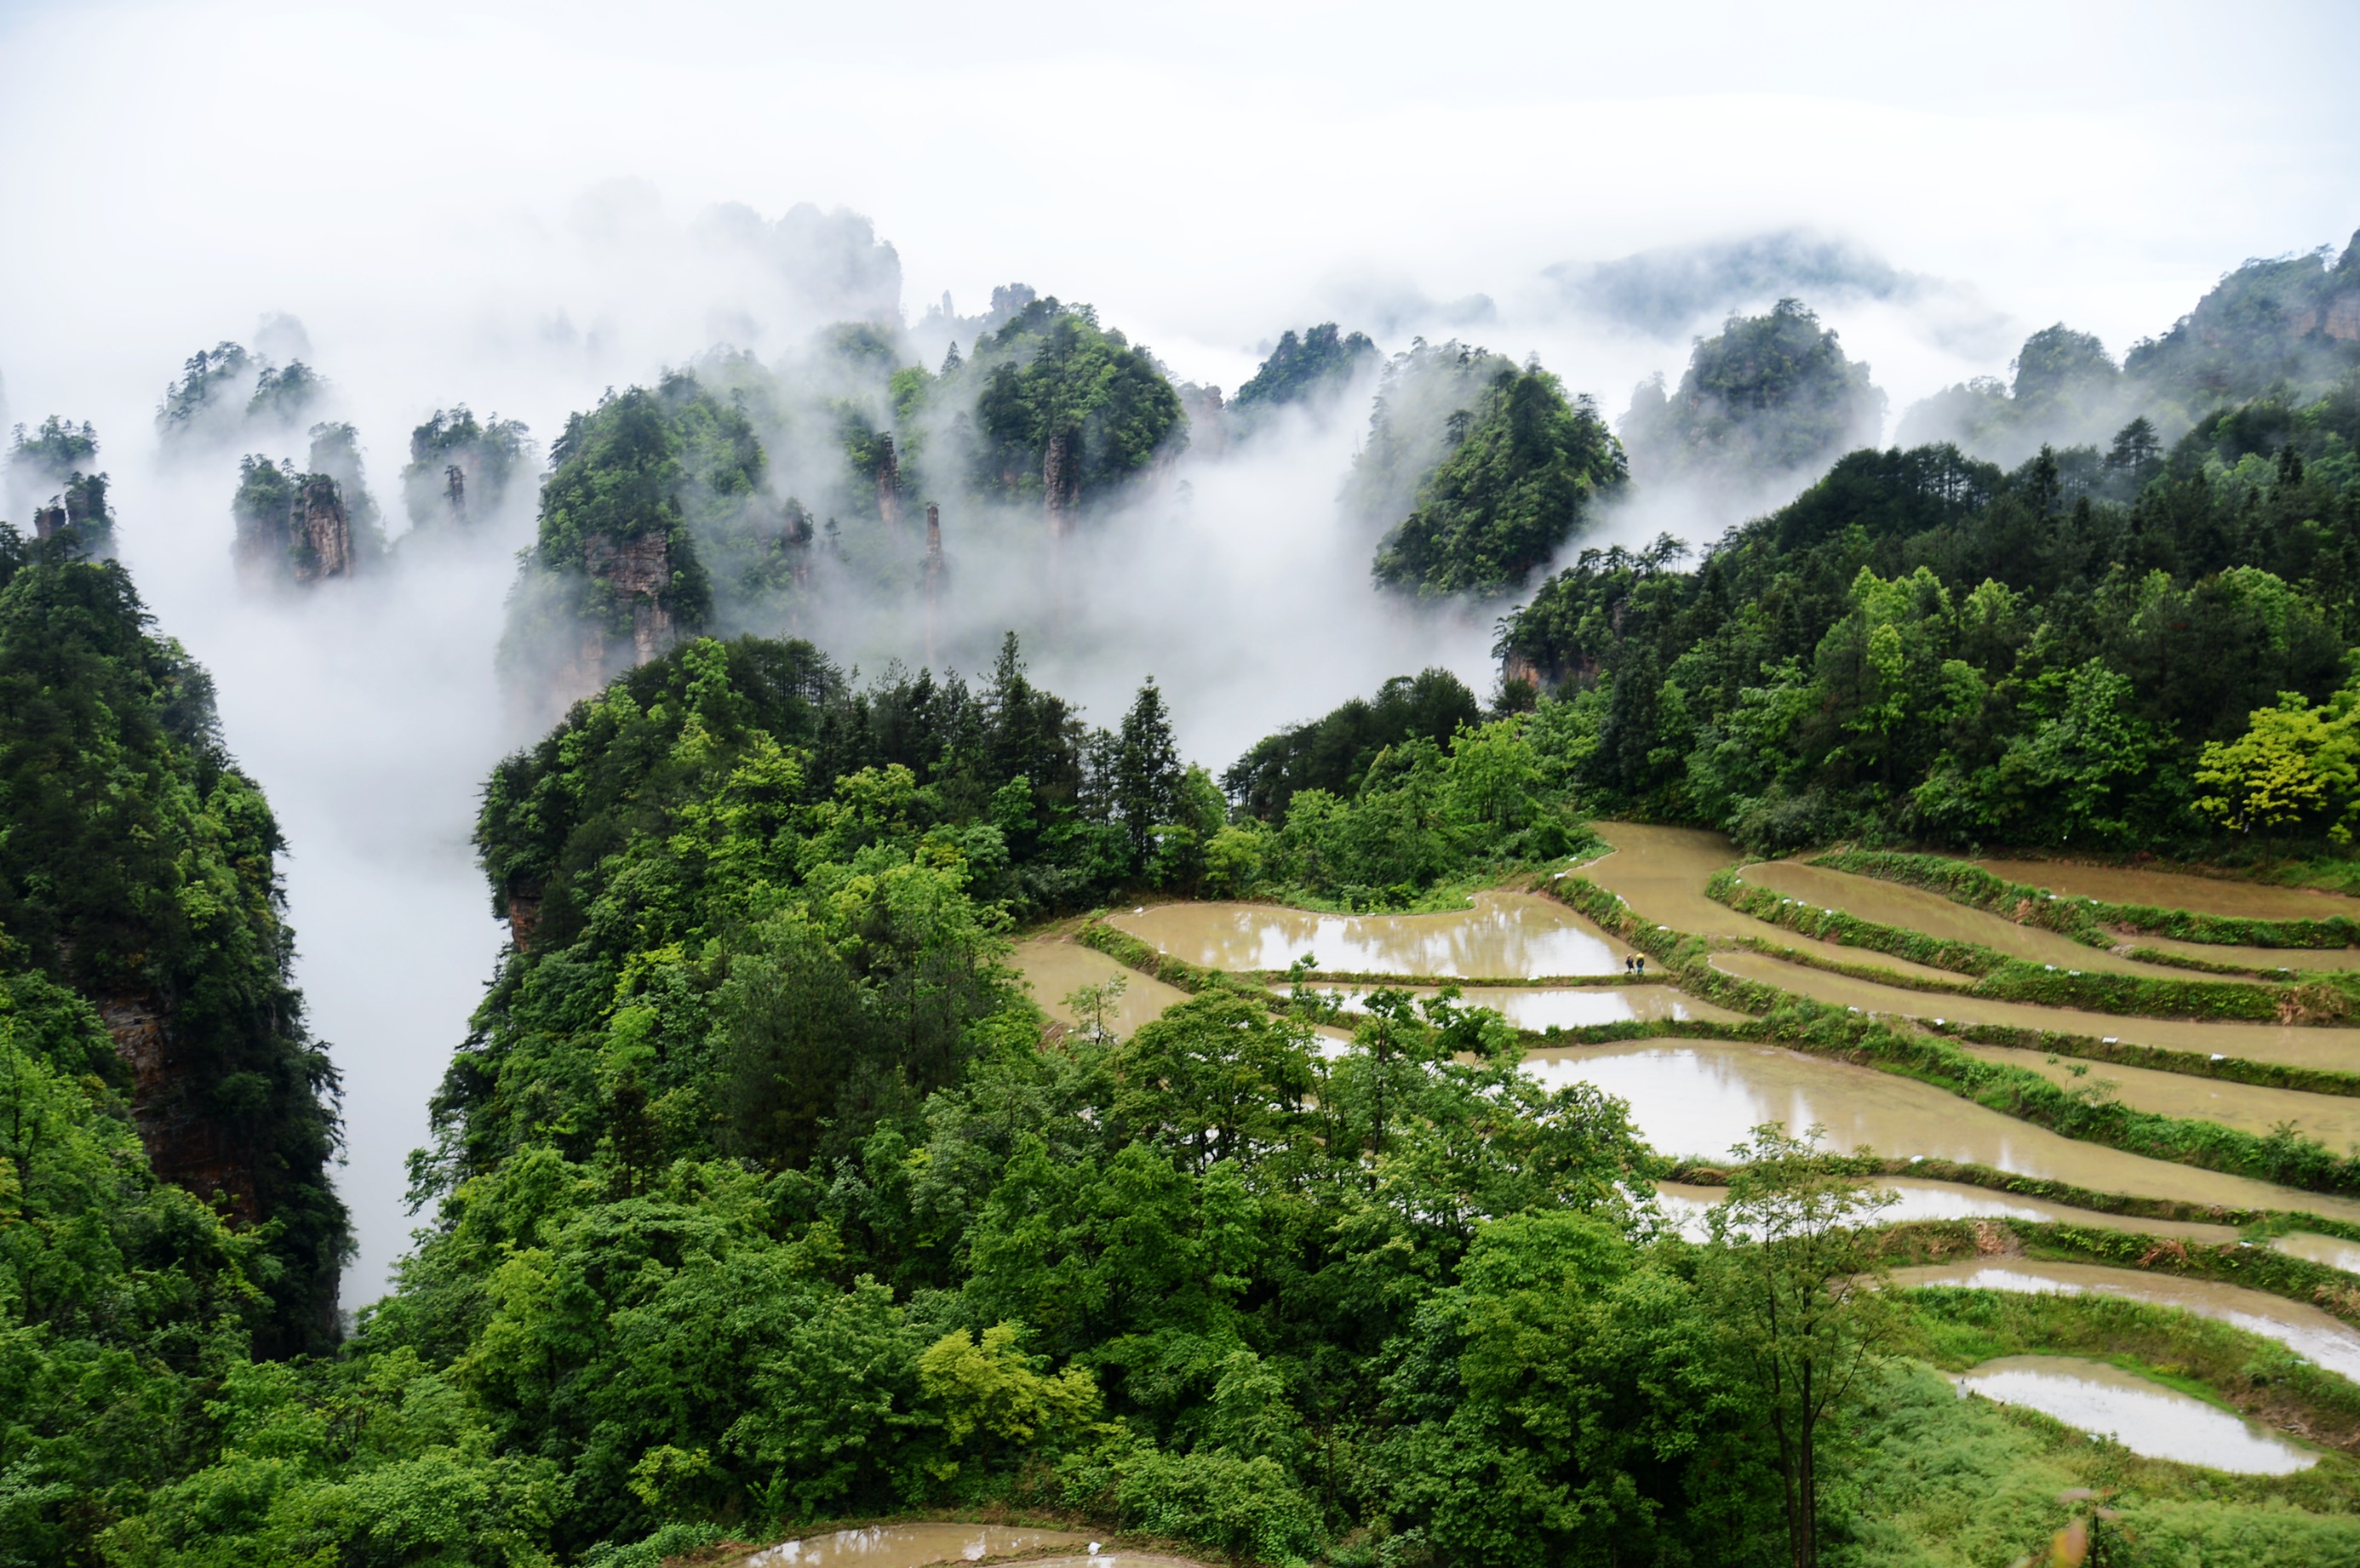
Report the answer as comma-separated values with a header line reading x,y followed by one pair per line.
x,y
696,873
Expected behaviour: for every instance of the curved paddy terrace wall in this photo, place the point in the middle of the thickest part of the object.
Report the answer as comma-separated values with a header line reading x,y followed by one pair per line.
x,y
2196,1115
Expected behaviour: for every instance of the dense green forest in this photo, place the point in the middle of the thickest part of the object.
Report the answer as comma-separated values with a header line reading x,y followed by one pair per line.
x,y
761,1201
1922,646
1767,395
144,1001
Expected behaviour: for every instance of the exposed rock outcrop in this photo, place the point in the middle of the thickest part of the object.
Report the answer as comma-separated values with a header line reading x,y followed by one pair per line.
x,y
186,1145
322,546
888,486
637,572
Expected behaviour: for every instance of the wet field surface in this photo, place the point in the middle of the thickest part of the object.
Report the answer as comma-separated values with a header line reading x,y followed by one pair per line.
x,y
1055,969
1504,934
909,1546
2333,1119
2327,1249
2173,891
1913,908
1698,1098
2144,1416
2303,1329
1544,1007
2336,1048
1661,873
2295,960
1685,1202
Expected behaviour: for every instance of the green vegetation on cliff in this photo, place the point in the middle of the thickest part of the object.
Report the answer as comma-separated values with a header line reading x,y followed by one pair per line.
x,y
1521,470
1769,394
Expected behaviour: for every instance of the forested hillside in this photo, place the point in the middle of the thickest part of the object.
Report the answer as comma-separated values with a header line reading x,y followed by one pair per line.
x,y
1921,647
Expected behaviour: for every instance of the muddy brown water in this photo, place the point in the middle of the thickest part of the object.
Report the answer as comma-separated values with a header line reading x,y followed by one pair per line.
x,y
1661,873
2141,1414
1055,969
1503,933
2327,1249
2333,1119
2174,890
2297,960
1698,1098
1544,1007
2303,1329
1685,1202
912,1546
2336,1048
1913,908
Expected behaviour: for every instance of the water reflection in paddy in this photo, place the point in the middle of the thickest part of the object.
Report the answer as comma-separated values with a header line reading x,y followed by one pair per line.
x,y
2144,1416
1503,934
1055,969
2299,959
1698,1098
2305,1329
2173,891
2327,1249
2335,1049
1544,1007
1661,872
1913,908
1685,1204
909,1546
2333,1119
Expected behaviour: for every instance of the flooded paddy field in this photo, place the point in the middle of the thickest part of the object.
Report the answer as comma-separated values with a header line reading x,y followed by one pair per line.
x,y
2333,1049
2305,1329
1505,933
1661,873
2174,890
1544,1007
1698,1098
1055,968
1913,908
910,1546
1685,1202
2144,1416
2326,1249
2333,1119
2299,959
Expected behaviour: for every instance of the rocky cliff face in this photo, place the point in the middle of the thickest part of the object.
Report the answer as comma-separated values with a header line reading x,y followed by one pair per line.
x,y
187,1145
322,542
291,527
637,571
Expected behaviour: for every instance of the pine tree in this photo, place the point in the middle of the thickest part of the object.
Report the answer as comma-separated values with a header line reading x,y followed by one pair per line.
x,y
1146,768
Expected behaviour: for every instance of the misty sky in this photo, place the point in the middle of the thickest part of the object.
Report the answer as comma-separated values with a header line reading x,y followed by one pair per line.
x,y
498,203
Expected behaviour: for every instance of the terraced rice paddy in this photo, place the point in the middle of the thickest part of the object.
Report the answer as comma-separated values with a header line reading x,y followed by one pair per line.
x,y
1055,969
2333,1119
2303,1329
2326,1249
1544,1007
1685,1202
1913,908
2173,891
1698,1098
1503,934
910,1546
1661,873
2299,959
2336,1048
2141,1414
